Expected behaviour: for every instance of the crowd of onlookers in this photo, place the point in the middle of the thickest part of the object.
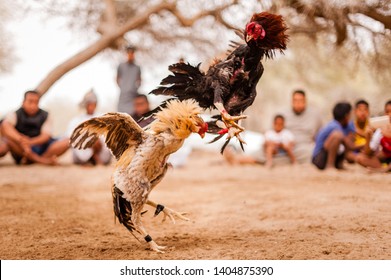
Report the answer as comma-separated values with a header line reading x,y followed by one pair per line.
x,y
27,133
297,134
300,136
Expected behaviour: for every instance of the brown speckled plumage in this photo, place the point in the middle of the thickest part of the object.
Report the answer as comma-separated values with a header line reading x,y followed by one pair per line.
x,y
141,156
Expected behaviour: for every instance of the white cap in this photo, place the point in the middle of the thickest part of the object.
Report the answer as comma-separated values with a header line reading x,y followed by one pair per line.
x,y
89,97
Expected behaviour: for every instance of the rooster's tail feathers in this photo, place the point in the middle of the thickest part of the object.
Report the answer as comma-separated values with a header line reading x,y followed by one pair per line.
x,y
184,76
157,109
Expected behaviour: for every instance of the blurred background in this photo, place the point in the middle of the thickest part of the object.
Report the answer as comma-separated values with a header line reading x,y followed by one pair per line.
x,y
338,50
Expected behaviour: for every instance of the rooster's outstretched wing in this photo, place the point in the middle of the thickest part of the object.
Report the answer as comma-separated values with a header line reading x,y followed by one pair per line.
x,y
120,132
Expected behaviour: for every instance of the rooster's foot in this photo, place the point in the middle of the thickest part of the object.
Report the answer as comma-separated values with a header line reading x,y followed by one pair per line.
x,y
231,121
173,214
154,247
232,131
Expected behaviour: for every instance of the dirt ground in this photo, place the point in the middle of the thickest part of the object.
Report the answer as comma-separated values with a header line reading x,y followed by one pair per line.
x,y
236,212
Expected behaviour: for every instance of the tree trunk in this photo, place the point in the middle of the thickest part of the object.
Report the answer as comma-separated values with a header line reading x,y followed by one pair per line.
x,y
104,42
72,63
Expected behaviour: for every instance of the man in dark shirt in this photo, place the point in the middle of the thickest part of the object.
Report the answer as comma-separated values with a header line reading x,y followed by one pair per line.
x,y
141,106
3,145
28,133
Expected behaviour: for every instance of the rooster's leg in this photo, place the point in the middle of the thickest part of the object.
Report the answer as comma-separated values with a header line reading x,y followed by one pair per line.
x,y
136,219
229,123
167,212
231,131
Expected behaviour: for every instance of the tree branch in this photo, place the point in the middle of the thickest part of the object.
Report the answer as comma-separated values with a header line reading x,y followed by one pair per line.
x,y
105,41
216,13
108,21
110,14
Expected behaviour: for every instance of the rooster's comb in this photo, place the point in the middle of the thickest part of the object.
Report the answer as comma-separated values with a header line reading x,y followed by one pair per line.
x,y
275,28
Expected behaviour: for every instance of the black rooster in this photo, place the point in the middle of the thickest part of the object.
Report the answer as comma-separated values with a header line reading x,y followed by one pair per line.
x,y
229,85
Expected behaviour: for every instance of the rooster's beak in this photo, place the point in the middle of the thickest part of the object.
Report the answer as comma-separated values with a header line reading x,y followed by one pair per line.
x,y
249,37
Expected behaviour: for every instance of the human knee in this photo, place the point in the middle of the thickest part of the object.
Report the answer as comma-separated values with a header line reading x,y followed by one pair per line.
x,y
270,145
3,150
360,159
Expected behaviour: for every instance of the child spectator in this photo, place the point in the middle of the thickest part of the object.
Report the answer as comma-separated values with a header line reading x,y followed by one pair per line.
x,y
377,150
278,140
335,139
361,125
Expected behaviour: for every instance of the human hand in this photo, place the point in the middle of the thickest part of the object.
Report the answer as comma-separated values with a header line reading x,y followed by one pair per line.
x,y
25,143
368,133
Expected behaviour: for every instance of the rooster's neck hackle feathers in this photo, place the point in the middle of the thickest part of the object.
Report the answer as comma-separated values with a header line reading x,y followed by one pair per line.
x,y
179,118
275,28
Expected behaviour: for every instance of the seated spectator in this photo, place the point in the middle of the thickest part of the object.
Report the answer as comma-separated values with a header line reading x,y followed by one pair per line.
x,y
253,150
28,133
387,108
3,144
3,147
361,125
304,123
377,149
141,106
98,154
335,139
279,140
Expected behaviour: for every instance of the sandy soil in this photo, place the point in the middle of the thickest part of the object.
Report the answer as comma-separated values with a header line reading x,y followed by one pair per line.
x,y
237,212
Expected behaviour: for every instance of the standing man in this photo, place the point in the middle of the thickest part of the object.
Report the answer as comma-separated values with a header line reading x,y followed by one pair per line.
x,y
128,80
28,133
304,123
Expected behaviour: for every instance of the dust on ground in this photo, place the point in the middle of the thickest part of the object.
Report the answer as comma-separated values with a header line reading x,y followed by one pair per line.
x,y
236,212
